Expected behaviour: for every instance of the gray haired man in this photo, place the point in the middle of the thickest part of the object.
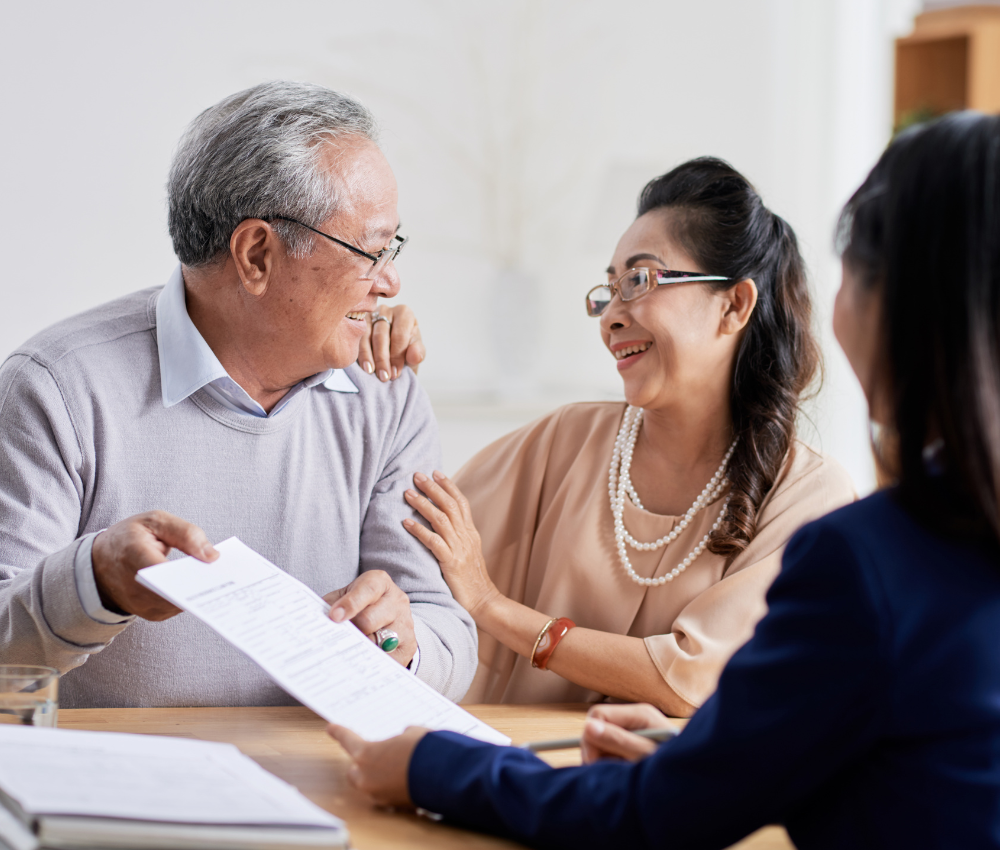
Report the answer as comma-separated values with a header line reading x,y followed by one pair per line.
x,y
227,397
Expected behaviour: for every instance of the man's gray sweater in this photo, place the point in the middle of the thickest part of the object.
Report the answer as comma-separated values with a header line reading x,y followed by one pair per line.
x,y
86,441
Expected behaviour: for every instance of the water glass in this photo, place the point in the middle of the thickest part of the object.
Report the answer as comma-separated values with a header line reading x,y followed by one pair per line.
x,y
29,695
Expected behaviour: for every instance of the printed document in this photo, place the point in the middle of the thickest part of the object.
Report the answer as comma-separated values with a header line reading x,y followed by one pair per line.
x,y
146,778
283,626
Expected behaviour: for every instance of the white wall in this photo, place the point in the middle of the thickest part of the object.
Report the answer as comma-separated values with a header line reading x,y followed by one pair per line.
x,y
520,130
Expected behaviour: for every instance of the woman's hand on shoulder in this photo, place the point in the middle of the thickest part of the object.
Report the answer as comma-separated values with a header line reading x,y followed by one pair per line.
x,y
452,539
606,733
389,346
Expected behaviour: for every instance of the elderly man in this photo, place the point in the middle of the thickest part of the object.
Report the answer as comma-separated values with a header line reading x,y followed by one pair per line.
x,y
227,397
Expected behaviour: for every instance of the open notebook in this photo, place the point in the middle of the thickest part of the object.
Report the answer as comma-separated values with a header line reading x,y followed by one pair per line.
x,y
283,626
69,789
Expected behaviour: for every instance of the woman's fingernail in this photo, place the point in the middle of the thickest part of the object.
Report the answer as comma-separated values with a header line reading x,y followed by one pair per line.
x,y
395,371
407,523
595,726
409,494
438,475
419,476
369,367
337,614
383,375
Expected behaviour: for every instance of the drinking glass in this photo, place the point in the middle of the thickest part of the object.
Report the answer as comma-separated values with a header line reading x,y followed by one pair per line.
x,y
29,695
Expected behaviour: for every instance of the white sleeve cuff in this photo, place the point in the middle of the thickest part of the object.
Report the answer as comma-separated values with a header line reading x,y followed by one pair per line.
x,y
414,662
86,587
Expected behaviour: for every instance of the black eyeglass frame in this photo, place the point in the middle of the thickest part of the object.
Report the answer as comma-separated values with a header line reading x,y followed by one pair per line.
x,y
375,258
663,277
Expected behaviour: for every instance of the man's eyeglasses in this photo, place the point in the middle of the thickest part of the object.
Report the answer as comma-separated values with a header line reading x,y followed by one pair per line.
x,y
637,282
379,260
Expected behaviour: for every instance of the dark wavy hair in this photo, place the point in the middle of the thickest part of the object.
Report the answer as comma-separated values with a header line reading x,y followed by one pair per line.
x,y
923,232
719,219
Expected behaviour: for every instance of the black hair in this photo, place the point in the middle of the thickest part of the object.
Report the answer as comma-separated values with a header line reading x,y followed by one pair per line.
x,y
720,221
923,232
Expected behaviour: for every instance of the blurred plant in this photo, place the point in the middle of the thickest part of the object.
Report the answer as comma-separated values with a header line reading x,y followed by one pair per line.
x,y
912,117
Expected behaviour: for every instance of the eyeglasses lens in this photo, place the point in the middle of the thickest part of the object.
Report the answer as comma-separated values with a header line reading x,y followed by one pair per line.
x,y
387,256
598,299
634,284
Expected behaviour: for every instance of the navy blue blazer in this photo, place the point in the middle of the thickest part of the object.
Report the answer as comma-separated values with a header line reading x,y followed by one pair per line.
x,y
864,712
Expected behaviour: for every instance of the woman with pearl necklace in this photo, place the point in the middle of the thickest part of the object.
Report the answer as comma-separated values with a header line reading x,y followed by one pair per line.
x,y
624,550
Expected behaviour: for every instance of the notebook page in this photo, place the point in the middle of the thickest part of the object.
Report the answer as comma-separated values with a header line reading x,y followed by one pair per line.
x,y
145,777
283,626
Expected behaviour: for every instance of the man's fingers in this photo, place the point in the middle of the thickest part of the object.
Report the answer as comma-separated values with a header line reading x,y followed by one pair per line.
x,y
615,741
360,593
180,534
334,595
380,350
353,743
380,614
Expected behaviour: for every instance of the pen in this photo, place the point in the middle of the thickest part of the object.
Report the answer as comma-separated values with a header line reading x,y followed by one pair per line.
x,y
569,743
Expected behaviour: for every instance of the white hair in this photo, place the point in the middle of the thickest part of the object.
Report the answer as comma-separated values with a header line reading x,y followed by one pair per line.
x,y
255,154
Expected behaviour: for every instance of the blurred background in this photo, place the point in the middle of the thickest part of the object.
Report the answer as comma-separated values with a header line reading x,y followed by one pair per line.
x,y
521,132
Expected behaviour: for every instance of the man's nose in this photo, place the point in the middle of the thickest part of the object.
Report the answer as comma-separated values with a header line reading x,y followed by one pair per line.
x,y
386,283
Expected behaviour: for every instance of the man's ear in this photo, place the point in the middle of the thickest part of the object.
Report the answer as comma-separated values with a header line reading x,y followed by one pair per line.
x,y
740,300
253,246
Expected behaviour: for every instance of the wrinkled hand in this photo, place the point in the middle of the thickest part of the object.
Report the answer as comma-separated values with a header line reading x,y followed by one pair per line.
x,y
372,602
606,735
454,540
140,541
385,351
380,768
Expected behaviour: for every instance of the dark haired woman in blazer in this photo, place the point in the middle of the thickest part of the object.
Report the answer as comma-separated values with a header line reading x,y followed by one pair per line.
x,y
865,711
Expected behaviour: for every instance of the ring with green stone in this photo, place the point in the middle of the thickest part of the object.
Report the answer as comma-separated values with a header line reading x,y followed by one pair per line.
x,y
387,639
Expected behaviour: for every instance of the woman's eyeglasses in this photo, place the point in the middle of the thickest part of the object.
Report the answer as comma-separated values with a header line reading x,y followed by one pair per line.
x,y
637,282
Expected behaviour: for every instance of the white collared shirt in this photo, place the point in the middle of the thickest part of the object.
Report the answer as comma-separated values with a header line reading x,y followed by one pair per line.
x,y
188,364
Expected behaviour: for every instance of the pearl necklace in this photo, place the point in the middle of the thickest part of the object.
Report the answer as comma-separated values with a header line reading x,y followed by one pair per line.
x,y
620,485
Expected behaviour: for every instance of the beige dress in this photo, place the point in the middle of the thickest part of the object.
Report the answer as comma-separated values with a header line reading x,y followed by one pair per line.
x,y
539,497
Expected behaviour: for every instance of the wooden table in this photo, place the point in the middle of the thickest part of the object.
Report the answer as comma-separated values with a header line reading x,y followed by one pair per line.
x,y
292,743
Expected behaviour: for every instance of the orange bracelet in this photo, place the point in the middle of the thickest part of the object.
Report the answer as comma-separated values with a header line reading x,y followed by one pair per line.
x,y
548,639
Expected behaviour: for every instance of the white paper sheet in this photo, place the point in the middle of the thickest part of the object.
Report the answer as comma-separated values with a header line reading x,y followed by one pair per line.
x,y
146,777
283,626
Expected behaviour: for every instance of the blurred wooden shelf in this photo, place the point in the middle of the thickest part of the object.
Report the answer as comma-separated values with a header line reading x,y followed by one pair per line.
x,y
950,61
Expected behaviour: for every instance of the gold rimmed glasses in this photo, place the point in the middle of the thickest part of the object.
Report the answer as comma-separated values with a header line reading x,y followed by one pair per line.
x,y
637,282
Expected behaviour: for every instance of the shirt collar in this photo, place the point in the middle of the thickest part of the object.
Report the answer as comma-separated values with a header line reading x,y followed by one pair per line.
x,y
187,363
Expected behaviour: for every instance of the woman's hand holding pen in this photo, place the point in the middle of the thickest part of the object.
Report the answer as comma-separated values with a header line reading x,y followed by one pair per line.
x,y
606,735
453,540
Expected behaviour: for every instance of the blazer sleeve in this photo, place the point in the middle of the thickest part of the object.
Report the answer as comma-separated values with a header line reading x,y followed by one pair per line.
x,y
709,630
795,705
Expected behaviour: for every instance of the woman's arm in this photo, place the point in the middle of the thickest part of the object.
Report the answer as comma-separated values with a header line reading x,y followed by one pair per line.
x,y
616,665
795,706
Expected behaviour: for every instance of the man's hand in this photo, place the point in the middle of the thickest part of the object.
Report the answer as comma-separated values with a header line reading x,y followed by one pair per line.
x,y
606,735
372,602
386,350
380,768
126,547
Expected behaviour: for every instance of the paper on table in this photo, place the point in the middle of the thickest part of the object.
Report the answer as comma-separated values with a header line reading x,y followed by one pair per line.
x,y
145,777
283,626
